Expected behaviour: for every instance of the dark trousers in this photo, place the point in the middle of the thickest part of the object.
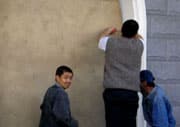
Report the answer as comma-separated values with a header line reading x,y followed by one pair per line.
x,y
120,107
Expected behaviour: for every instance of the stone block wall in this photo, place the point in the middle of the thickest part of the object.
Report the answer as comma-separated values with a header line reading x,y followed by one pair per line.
x,y
163,47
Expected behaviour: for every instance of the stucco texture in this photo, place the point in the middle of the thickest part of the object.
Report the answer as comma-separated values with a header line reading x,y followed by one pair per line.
x,y
36,36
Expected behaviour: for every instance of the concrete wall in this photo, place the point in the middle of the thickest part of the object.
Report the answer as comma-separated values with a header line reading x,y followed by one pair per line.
x,y
163,44
36,36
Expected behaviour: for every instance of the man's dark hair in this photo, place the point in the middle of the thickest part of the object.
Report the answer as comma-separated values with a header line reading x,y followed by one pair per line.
x,y
129,28
61,69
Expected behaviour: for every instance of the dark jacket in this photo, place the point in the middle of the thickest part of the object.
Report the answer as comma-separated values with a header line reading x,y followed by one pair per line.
x,y
55,109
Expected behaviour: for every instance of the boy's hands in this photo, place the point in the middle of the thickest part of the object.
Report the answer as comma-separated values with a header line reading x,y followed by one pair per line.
x,y
138,36
112,30
108,31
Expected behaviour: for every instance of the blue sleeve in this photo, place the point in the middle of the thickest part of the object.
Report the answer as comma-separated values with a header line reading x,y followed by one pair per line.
x,y
159,114
172,121
61,109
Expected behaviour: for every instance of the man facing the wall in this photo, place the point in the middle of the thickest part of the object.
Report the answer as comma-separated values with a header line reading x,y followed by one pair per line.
x,y
122,66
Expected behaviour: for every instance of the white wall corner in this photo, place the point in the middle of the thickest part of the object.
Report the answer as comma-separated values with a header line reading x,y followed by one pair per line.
x,y
136,9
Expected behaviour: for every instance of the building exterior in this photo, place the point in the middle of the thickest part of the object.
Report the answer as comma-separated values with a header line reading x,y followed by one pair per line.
x,y
37,36
163,47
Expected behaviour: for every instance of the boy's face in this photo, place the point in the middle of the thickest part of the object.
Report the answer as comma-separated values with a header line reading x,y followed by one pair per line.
x,y
143,87
65,79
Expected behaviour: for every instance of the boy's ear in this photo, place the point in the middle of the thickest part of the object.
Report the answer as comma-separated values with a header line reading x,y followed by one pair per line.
x,y
145,83
57,77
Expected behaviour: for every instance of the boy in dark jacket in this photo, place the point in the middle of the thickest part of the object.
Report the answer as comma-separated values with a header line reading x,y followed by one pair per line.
x,y
55,109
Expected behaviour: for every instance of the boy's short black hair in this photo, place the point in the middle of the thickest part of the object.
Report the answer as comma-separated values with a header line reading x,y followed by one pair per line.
x,y
129,28
61,69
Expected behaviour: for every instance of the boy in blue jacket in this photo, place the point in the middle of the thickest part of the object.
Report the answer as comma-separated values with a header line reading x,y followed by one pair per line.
x,y
55,109
156,106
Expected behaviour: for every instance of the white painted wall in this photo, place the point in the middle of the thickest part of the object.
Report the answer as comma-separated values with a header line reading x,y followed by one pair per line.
x,y
135,9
